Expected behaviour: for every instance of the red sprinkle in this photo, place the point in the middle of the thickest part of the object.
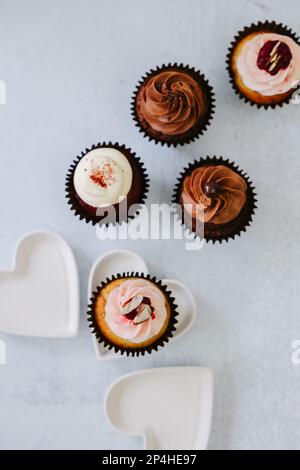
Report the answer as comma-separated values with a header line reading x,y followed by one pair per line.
x,y
102,176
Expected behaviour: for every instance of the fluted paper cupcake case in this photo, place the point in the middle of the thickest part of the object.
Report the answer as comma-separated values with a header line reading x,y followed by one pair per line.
x,y
271,27
102,220
203,123
246,213
102,339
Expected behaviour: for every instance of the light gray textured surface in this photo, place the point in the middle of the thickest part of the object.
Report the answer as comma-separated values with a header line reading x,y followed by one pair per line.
x,y
70,68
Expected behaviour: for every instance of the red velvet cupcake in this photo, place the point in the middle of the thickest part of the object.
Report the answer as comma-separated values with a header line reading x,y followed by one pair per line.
x,y
105,183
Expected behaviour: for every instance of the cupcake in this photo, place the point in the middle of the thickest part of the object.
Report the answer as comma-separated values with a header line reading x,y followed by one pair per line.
x,y
217,200
133,314
105,182
173,104
264,64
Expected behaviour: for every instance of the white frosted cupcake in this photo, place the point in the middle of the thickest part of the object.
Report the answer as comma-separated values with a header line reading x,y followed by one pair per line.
x,y
105,182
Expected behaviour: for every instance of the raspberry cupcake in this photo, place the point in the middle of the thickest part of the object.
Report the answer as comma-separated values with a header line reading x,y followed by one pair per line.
x,y
133,314
173,104
264,64
107,184
216,199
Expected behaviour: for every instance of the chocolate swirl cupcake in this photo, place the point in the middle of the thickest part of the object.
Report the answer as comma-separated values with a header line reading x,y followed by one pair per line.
x,y
173,104
214,194
216,198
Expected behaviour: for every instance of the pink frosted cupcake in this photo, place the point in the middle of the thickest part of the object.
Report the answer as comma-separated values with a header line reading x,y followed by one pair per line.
x,y
133,314
264,64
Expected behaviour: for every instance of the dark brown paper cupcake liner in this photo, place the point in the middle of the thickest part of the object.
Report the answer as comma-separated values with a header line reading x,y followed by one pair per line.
x,y
196,130
120,216
240,223
102,339
271,27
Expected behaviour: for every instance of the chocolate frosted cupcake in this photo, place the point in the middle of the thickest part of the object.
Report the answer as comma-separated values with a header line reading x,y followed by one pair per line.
x,y
264,64
132,314
105,182
216,198
173,104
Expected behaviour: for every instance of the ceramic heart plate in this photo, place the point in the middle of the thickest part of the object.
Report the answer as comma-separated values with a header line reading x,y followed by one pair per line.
x,y
120,261
171,408
40,294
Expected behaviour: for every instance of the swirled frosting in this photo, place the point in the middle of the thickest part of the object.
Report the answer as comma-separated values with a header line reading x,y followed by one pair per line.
x,y
103,177
172,102
123,325
214,194
264,80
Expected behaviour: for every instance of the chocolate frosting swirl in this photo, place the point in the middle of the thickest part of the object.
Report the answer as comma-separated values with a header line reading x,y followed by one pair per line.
x,y
172,102
214,194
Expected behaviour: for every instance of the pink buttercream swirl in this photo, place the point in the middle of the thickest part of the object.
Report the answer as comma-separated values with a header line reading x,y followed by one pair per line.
x,y
123,326
262,81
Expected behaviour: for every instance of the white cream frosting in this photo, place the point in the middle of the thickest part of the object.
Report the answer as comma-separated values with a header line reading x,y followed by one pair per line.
x,y
103,177
260,80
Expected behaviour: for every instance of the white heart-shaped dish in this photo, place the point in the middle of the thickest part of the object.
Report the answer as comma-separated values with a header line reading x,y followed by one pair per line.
x,y
40,294
120,261
171,407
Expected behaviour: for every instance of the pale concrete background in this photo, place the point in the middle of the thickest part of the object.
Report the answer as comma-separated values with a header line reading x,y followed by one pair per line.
x,y
70,68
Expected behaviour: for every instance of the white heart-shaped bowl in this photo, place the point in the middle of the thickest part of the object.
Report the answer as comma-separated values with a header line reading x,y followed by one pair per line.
x,y
120,261
170,407
40,294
